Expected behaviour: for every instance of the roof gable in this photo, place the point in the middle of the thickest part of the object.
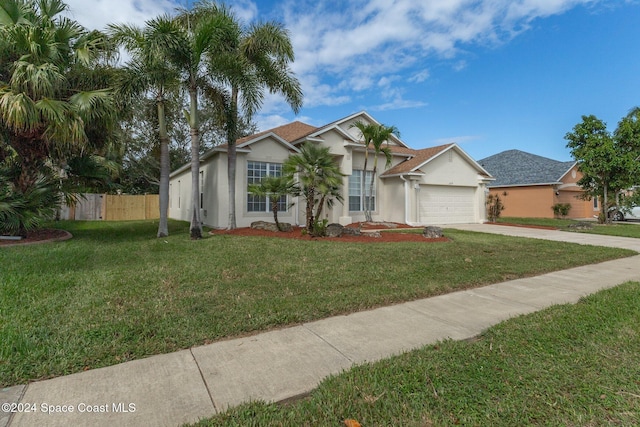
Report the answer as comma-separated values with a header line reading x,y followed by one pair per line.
x,y
289,133
517,168
341,127
422,157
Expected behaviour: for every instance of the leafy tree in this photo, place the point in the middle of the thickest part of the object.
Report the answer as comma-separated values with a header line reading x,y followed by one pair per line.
x,y
318,177
373,136
609,163
273,188
148,71
256,59
54,98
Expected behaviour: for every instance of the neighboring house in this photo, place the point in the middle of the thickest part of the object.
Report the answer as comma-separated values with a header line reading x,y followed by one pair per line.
x,y
534,184
439,185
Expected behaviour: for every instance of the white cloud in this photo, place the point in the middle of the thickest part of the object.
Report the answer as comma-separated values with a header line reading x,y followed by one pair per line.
x,y
97,14
270,121
364,41
419,77
398,104
362,48
246,10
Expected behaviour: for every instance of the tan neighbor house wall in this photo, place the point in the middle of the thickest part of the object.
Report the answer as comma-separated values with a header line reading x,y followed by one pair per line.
x,y
570,192
537,202
526,201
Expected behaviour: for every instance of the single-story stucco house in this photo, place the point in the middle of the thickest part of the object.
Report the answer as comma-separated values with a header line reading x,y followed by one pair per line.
x,y
438,185
534,184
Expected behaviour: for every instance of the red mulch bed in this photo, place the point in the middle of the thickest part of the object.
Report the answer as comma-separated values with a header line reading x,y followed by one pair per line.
x,y
39,236
298,234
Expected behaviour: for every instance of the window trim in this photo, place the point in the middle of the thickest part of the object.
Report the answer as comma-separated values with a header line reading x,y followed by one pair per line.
x,y
362,190
272,169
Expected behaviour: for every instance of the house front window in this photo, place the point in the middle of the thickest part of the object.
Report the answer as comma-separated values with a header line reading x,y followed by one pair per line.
x,y
357,190
256,171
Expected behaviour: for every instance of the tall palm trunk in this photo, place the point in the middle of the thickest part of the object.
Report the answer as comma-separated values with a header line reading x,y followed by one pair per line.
x,y
363,185
373,178
195,229
163,226
232,121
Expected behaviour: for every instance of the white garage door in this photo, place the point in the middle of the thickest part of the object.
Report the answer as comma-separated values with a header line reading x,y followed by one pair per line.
x,y
447,205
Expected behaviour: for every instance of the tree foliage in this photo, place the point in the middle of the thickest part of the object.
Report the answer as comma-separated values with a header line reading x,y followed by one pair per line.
x,y
609,162
318,178
56,109
373,136
256,59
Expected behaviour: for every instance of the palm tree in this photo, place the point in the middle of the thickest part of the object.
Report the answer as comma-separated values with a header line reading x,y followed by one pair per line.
x,y
381,135
205,31
368,132
329,191
50,108
373,135
148,71
273,188
318,176
257,59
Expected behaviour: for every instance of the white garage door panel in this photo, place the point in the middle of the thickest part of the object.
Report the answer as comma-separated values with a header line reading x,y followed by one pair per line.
x,y
447,205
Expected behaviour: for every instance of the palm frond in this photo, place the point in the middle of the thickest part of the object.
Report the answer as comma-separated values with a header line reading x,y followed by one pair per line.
x,y
18,111
93,105
36,80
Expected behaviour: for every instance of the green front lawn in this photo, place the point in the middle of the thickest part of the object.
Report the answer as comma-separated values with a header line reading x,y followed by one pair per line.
x,y
620,229
115,292
570,365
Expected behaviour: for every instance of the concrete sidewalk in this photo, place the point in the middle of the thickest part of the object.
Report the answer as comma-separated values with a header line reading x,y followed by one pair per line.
x,y
181,387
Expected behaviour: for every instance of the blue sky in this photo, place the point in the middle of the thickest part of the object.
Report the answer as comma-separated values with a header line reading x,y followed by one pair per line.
x,y
491,75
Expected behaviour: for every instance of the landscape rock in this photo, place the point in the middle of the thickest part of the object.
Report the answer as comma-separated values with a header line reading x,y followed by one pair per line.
x,y
372,234
432,232
350,231
270,226
334,230
581,225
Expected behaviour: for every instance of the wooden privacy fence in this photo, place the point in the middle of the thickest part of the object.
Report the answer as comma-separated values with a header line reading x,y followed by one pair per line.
x,y
113,207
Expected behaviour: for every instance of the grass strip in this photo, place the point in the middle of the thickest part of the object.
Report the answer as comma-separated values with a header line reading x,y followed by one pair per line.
x,y
572,365
618,229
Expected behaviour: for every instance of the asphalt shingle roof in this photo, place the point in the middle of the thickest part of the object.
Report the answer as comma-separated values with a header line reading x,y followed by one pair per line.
x,y
289,132
515,167
419,157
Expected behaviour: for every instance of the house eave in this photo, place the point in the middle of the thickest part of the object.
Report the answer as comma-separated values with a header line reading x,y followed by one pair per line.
x,y
399,174
206,156
540,184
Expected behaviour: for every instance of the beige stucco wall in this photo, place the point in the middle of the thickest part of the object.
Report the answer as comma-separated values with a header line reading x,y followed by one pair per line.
x,y
450,168
393,199
215,212
180,196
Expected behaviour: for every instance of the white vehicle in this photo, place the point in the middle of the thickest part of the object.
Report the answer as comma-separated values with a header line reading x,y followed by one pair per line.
x,y
623,213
